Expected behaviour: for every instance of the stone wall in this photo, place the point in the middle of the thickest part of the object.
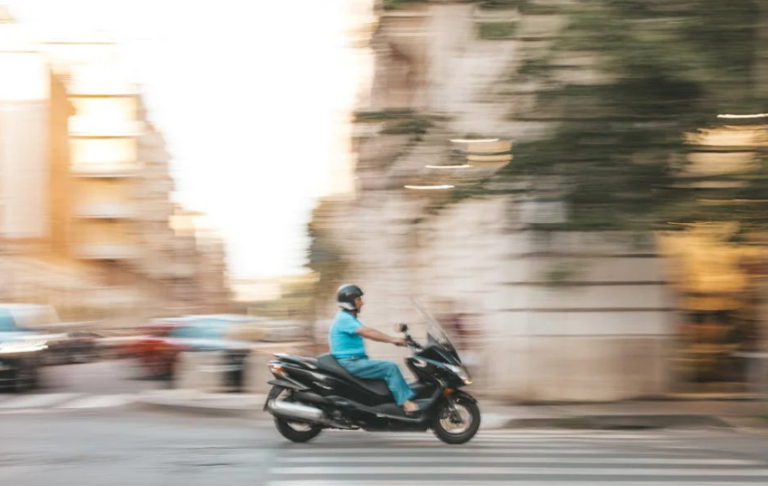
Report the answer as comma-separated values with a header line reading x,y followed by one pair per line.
x,y
598,330
559,316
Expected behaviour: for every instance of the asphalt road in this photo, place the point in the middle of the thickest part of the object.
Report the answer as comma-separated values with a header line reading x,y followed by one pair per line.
x,y
105,384
82,428
123,446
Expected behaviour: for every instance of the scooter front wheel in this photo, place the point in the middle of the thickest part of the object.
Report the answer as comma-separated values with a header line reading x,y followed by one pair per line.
x,y
457,420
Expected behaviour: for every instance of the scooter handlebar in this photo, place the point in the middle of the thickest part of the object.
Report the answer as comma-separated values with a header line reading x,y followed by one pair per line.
x,y
409,342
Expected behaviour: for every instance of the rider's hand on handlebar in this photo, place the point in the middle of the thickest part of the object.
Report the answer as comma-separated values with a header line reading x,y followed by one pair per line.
x,y
399,342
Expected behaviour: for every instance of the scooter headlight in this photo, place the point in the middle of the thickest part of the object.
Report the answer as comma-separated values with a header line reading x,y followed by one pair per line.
x,y
276,367
461,372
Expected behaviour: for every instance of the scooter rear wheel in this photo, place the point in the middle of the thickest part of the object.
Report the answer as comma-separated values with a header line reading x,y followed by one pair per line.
x,y
451,431
297,432
293,431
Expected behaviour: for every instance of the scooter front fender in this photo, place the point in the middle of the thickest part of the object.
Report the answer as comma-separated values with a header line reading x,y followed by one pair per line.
x,y
465,395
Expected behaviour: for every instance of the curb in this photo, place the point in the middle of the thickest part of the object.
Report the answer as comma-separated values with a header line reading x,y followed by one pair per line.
x,y
200,410
620,422
191,407
491,421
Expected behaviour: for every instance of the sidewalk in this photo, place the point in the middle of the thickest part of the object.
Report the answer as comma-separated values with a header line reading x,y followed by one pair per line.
x,y
655,414
497,415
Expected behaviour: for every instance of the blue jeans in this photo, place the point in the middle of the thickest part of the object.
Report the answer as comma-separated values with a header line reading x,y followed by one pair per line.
x,y
372,369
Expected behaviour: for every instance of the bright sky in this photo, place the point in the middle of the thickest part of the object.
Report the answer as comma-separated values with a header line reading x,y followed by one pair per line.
x,y
251,96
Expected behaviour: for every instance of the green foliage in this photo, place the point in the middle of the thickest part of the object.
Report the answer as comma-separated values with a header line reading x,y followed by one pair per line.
x,y
398,4
383,115
325,257
502,4
297,301
527,7
533,67
694,41
532,8
497,30
564,273
669,68
416,125
399,121
472,136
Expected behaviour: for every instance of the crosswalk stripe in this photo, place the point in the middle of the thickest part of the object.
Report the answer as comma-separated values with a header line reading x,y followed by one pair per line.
x,y
533,471
493,458
37,401
629,460
542,438
564,434
443,450
573,457
503,482
517,439
535,443
97,401
516,434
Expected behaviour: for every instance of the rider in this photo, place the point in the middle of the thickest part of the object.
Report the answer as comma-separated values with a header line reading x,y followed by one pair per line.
x,y
346,342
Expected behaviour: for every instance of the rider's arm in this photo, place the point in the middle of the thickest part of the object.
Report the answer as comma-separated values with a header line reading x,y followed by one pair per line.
x,y
375,335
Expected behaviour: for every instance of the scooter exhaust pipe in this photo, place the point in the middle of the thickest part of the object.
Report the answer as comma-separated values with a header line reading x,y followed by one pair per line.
x,y
296,411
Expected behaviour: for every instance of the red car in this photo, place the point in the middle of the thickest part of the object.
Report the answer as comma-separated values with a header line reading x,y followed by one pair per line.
x,y
153,350
164,339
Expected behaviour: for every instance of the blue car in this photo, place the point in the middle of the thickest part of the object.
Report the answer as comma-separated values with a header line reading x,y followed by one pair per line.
x,y
21,354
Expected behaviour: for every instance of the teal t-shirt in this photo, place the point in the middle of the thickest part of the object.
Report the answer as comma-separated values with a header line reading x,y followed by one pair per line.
x,y
343,338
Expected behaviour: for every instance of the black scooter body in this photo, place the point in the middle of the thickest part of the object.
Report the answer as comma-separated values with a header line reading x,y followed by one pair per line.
x,y
350,402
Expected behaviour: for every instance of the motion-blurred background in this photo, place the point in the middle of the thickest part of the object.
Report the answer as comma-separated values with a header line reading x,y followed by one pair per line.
x,y
575,189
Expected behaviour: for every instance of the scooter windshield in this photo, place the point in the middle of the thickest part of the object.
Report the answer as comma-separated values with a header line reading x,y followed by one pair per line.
x,y
435,333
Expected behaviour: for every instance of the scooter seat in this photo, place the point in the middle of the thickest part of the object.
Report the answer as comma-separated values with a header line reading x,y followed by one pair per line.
x,y
328,363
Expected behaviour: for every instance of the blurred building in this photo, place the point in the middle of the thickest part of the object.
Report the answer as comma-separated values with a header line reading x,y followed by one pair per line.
x,y
25,103
35,183
554,316
198,248
104,158
256,290
103,167
213,277
86,187
125,211
152,196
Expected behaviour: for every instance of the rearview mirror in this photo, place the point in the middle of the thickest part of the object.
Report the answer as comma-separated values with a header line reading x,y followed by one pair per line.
x,y
401,327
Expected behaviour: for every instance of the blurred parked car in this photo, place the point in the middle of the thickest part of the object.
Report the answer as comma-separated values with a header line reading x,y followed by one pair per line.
x,y
22,348
118,344
74,347
34,317
149,347
165,339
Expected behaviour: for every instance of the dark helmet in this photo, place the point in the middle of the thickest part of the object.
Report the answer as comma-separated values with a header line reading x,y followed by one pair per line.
x,y
346,296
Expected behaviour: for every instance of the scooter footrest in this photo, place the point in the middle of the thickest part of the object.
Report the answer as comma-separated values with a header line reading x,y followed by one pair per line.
x,y
390,409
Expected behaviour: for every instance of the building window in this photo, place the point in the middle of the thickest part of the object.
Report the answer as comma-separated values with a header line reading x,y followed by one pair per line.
x,y
106,111
103,151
